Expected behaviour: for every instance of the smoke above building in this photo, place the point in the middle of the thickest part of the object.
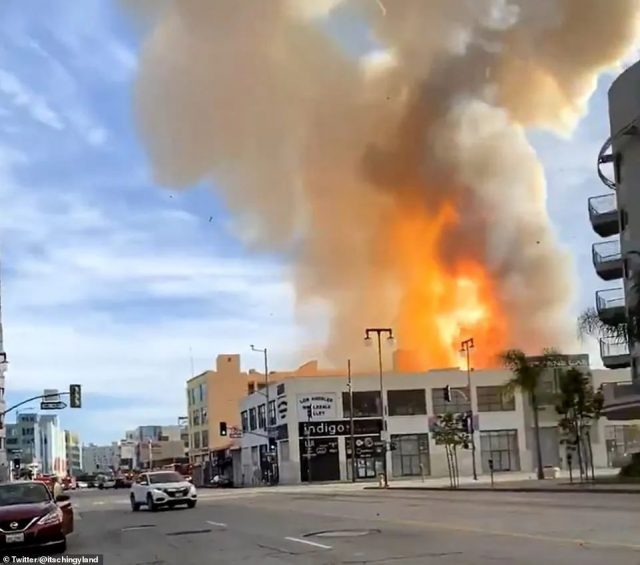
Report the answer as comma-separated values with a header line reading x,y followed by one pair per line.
x,y
401,182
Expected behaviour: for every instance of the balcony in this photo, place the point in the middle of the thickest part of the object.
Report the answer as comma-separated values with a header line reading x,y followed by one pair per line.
x,y
621,401
615,353
603,213
607,260
610,306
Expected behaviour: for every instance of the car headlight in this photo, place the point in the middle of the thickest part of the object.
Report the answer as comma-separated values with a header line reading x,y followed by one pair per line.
x,y
53,517
192,489
158,492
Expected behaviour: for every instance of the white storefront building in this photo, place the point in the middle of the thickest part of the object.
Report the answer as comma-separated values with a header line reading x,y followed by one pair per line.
x,y
504,427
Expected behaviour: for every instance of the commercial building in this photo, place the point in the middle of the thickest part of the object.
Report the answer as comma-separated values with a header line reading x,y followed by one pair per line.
x,y
159,453
214,396
74,453
311,438
127,458
53,446
100,458
616,216
23,440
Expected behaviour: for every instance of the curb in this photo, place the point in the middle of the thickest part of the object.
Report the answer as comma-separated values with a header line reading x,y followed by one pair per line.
x,y
576,490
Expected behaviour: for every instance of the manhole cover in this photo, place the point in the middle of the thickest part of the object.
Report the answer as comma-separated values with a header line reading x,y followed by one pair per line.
x,y
341,533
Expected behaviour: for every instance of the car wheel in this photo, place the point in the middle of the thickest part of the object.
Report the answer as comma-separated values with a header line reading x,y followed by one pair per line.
x,y
100,487
135,506
151,505
191,504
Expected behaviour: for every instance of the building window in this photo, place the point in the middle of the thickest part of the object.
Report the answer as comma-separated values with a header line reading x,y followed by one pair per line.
x,y
410,458
495,399
189,396
365,404
205,438
196,417
501,446
284,451
272,413
196,440
262,416
201,392
459,401
245,421
252,419
407,402
621,440
203,415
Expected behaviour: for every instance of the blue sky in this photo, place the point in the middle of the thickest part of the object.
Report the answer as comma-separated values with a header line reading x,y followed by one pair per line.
x,y
109,280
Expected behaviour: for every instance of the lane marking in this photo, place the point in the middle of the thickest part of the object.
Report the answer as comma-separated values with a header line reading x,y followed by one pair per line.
x,y
313,543
219,524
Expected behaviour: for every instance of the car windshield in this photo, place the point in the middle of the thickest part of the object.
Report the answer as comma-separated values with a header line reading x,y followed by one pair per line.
x,y
158,478
11,494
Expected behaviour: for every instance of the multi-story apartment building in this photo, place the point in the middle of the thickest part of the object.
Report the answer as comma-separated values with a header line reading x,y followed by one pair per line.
x,y
74,453
24,440
616,216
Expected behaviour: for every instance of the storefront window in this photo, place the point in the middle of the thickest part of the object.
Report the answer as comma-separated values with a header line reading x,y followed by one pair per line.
x,y
501,446
410,456
621,441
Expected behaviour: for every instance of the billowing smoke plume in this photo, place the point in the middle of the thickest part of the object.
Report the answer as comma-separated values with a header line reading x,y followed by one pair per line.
x,y
401,180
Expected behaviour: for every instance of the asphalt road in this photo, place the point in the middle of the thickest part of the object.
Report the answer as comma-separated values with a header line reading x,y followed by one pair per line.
x,y
266,526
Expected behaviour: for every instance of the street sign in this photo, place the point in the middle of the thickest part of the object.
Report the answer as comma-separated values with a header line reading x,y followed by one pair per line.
x,y
51,395
46,405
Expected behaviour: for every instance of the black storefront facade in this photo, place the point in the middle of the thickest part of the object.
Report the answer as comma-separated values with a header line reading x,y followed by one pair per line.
x,y
320,442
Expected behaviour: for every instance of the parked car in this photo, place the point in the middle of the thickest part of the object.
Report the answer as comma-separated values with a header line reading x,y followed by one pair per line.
x,y
31,518
162,488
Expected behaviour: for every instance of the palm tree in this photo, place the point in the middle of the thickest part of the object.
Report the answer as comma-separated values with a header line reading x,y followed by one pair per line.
x,y
526,377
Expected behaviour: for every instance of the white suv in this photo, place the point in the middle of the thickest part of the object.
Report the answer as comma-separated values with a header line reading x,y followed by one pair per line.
x,y
162,488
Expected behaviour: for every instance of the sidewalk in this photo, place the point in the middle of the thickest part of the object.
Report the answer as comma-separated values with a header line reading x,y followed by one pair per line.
x,y
522,482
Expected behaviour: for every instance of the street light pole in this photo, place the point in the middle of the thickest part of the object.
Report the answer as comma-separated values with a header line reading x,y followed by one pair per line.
x,y
367,338
268,422
351,430
465,347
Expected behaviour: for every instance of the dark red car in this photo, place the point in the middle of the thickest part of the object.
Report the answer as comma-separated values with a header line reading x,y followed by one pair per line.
x,y
31,518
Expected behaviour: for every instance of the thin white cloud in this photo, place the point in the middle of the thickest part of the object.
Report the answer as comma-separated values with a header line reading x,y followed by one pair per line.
x,y
22,97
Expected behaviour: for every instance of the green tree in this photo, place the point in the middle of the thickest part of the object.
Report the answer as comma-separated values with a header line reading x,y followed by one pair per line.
x,y
451,432
579,406
527,374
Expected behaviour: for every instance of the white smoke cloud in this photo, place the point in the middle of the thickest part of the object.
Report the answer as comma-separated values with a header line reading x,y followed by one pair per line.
x,y
315,147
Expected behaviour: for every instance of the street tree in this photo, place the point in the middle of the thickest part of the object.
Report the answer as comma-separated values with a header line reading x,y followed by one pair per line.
x,y
527,375
579,406
451,431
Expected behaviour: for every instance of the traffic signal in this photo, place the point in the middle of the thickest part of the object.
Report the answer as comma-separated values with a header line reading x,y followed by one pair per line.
x,y
223,428
75,396
447,393
272,444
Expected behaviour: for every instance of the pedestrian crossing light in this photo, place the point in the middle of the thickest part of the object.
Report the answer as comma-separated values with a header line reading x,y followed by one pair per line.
x,y
223,428
75,396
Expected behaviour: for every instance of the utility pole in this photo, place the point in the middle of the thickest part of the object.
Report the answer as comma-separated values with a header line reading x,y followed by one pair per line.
x,y
367,339
268,411
351,430
465,347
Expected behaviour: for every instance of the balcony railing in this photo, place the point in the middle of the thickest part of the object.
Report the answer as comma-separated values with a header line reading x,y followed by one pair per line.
x,y
603,213
610,305
615,353
607,259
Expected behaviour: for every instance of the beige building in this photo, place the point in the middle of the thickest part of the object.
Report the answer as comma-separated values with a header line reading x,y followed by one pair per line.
x,y
159,452
215,396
